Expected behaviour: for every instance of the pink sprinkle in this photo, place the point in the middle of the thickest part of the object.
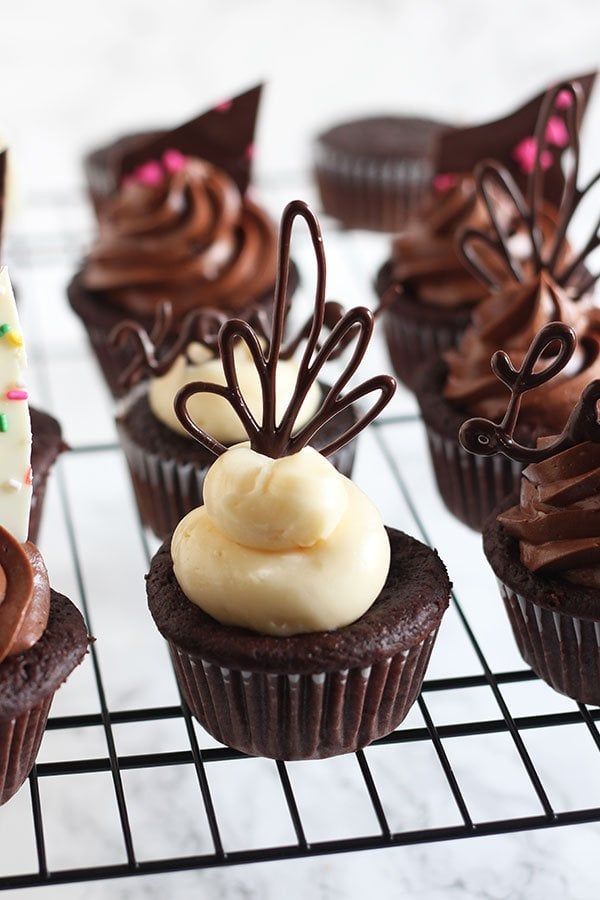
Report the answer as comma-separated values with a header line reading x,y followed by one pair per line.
x,y
444,181
223,106
556,132
28,476
249,152
16,395
525,154
173,161
149,173
564,99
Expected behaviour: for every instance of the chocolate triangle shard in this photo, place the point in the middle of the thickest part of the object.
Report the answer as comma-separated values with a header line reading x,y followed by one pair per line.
x,y
224,136
507,140
3,190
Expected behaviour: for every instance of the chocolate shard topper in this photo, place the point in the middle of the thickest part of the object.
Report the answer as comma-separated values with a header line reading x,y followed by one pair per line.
x,y
277,438
154,352
224,136
508,140
486,438
496,186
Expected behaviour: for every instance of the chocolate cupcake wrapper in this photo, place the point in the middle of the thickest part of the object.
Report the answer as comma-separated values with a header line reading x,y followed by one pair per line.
x,y
412,343
166,490
20,740
363,193
471,486
562,649
286,716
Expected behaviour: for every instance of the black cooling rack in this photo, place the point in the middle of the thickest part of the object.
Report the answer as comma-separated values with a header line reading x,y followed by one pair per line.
x,y
200,758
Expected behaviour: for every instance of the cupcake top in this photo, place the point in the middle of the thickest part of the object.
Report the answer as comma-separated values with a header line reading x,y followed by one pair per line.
x,y
24,585
549,284
284,544
180,229
196,356
557,519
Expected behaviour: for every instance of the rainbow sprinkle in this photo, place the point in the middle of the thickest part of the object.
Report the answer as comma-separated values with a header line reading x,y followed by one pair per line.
x,y
4,329
15,338
16,394
28,479
3,422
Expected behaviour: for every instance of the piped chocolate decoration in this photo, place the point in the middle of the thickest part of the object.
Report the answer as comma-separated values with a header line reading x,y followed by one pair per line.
x,y
509,140
224,136
483,437
528,207
269,437
155,353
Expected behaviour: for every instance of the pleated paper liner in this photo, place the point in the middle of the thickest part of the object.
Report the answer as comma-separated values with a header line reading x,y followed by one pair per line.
x,y
20,740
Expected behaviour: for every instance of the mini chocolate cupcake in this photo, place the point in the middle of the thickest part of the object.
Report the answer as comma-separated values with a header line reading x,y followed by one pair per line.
x,y
166,465
42,635
223,136
545,550
299,626
550,284
179,230
373,173
428,294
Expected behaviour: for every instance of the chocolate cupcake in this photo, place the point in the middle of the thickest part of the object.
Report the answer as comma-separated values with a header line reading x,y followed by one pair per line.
x,y
373,173
42,635
47,445
166,465
299,626
549,284
427,292
545,549
223,136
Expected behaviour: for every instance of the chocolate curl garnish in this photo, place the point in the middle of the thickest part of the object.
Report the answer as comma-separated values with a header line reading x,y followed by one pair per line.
x,y
475,244
276,439
485,438
154,355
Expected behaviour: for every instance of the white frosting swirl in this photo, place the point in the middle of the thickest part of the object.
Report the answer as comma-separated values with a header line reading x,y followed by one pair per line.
x,y
213,413
282,546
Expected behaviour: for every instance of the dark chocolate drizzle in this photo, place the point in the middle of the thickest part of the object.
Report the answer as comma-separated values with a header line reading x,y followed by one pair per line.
x,y
276,439
486,438
528,208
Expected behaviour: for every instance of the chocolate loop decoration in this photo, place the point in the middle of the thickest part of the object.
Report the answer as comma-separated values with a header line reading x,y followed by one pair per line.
x,y
486,438
529,207
268,436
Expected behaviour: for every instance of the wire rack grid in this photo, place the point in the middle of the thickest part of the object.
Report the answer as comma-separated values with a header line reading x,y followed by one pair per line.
x,y
165,796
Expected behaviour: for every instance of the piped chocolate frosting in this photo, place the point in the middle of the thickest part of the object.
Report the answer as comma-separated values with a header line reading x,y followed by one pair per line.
x,y
549,283
181,231
24,596
277,439
557,521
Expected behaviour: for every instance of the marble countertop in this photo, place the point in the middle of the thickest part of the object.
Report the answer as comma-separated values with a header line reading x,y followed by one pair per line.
x,y
85,72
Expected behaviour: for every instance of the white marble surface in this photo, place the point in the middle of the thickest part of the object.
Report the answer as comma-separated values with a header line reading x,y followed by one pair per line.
x,y
79,72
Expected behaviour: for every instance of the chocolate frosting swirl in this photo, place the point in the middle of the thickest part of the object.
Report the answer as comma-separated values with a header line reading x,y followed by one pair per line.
x,y
24,596
558,519
425,255
191,238
510,320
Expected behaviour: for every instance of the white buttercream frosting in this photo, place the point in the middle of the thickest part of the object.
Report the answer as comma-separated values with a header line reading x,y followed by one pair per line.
x,y
213,413
281,546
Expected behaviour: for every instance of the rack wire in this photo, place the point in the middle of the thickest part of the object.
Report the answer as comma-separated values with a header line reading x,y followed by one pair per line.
x,y
38,250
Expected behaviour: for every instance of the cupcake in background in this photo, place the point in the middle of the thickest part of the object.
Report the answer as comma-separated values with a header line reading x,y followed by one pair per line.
x,y
549,284
427,292
299,626
544,542
373,173
178,229
223,136
42,635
